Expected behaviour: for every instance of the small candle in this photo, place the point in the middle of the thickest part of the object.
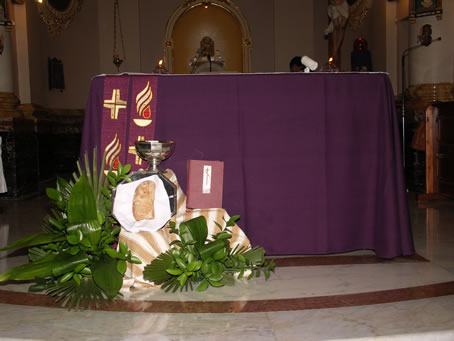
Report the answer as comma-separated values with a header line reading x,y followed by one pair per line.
x,y
160,68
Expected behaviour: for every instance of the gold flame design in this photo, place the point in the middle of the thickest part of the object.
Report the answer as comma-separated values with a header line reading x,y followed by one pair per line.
x,y
143,98
112,150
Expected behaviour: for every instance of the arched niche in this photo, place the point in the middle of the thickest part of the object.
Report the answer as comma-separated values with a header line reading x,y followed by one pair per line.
x,y
188,16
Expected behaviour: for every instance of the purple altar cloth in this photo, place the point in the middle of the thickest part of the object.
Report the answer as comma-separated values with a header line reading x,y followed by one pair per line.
x,y
312,161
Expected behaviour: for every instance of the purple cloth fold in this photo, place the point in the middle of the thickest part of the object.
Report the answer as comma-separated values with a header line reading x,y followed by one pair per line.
x,y
312,161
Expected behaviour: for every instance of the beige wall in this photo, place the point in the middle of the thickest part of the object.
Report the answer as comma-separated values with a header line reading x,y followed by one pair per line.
x,y
319,24
130,23
294,36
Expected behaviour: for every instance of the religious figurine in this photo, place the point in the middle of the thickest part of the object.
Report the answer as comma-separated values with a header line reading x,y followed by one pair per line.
x,y
207,59
338,12
361,59
343,14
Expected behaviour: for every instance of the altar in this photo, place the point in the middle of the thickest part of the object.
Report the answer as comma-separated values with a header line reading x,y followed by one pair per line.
x,y
312,162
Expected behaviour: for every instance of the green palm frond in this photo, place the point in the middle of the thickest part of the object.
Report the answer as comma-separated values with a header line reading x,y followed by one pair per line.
x,y
37,253
195,260
73,259
35,239
78,296
156,272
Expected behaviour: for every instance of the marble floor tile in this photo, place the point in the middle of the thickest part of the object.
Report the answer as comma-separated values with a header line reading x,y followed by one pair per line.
x,y
326,298
426,319
37,323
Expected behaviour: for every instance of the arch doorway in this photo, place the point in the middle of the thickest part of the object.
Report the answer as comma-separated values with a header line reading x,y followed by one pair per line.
x,y
219,20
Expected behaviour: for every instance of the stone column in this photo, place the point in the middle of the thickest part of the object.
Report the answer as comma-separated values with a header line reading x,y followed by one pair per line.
x,y
8,101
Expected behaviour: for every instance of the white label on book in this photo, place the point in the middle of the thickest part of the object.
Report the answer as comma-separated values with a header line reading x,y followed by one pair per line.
x,y
206,186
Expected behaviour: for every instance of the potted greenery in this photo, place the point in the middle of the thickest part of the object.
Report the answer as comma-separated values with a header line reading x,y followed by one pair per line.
x,y
74,258
77,260
196,260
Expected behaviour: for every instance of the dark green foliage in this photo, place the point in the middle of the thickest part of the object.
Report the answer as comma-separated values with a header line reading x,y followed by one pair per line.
x,y
195,261
73,259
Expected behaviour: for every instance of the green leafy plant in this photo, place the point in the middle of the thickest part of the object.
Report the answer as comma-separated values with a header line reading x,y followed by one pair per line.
x,y
193,260
74,258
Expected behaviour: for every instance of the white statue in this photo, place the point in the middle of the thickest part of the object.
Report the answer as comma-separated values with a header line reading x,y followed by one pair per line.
x,y
207,59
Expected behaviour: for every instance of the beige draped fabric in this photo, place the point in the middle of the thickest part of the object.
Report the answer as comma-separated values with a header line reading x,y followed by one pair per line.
x,y
148,245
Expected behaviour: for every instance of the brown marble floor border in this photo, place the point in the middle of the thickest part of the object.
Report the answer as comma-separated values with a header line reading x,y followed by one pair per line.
x,y
303,303
270,305
342,260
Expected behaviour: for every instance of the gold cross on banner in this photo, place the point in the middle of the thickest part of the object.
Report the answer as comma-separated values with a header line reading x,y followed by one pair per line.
x,y
132,150
115,104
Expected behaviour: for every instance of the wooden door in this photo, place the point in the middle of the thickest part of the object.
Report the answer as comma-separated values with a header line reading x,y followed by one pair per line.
x,y
440,149
446,147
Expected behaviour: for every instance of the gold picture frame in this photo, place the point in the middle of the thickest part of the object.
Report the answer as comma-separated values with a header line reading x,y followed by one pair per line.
x,y
422,8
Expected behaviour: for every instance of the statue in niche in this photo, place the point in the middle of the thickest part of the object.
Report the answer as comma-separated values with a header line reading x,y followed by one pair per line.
x,y
207,59
343,14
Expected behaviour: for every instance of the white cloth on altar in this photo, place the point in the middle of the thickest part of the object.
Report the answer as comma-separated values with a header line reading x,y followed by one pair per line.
x,y
3,187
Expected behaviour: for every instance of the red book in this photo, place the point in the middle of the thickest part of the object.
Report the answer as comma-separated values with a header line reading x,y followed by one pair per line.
x,y
205,184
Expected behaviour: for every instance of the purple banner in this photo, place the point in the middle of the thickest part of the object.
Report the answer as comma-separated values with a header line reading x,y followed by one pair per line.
x,y
128,115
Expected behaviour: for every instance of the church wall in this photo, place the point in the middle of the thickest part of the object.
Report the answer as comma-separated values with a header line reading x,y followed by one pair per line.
x,y
392,32
18,66
131,28
76,47
153,17
260,16
294,31
38,46
319,24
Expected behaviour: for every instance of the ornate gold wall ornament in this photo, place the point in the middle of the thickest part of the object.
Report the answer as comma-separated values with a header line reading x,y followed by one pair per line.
x,y
58,14
189,3
358,12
